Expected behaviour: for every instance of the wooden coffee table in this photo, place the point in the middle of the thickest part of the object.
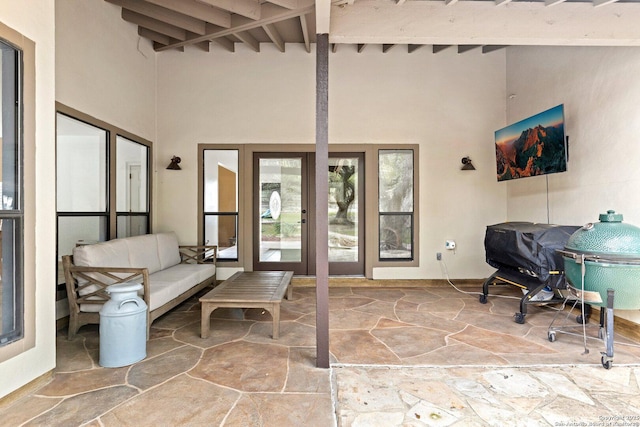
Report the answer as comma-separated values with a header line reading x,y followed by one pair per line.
x,y
251,289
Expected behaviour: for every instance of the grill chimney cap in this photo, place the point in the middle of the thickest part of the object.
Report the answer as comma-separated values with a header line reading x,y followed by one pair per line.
x,y
611,216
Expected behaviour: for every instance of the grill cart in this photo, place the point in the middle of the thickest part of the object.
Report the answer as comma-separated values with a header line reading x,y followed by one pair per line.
x,y
602,264
526,256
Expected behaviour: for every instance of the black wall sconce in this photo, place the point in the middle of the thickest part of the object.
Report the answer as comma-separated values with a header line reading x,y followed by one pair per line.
x,y
467,165
174,163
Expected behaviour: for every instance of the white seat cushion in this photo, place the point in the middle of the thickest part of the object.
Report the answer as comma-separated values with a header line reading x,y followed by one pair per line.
x,y
170,283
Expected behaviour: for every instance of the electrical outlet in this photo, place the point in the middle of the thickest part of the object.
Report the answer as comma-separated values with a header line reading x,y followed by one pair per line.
x,y
439,256
450,245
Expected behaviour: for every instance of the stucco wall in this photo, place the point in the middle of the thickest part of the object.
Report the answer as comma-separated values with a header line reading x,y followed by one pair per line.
x,y
600,89
449,104
35,20
103,68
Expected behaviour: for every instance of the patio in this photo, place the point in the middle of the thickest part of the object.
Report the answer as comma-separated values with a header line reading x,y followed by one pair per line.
x,y
400,356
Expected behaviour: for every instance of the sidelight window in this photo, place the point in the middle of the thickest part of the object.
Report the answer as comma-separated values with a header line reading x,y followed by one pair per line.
x,y
221,202
395,205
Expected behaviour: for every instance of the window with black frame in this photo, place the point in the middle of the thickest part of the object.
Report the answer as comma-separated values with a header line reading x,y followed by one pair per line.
x,y
395,205
103,184
82,181
132,187
11,201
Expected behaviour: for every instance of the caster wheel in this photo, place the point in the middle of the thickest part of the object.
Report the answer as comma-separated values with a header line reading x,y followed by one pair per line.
x,y
483,299
519,318
579,319
606,363
551,336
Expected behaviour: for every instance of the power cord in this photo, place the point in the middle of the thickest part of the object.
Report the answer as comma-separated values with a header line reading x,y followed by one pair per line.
x,y
445,272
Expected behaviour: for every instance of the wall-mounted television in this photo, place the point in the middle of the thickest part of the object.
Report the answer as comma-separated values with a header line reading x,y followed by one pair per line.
x,y
533,146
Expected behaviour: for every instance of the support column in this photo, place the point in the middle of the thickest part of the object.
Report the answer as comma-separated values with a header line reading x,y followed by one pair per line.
x,y
322,200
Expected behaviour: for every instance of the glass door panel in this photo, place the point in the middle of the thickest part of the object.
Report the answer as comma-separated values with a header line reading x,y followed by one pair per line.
x,y
346,214
343,209
280,212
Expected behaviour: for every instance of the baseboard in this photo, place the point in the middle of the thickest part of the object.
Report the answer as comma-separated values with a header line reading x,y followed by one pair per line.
x,y
25,390
624,327
299,281
62,323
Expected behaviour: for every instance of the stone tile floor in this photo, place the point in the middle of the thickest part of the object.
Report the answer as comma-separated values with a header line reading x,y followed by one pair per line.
x,y
400,357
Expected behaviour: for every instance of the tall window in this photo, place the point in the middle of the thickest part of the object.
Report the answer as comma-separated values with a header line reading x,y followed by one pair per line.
x,y
221,202
11,201
132,197
395,205
103,183
82,181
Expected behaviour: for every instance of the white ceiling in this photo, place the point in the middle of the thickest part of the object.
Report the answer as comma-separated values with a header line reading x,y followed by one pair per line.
x,y
384,24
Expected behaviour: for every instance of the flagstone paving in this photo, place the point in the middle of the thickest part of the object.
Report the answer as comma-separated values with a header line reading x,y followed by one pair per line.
x,y
410,356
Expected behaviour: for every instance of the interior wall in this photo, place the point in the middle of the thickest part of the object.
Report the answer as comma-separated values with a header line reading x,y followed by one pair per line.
x,y
600,89
450,104
34,19
103,68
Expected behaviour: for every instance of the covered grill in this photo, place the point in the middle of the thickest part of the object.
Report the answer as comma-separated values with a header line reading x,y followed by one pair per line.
x,y
602,266
526,255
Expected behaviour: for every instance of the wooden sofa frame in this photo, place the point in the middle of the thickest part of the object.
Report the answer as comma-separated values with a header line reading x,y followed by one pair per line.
x,y
102,277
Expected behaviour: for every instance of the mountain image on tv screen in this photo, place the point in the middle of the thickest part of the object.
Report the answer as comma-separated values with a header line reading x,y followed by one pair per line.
x,y
531,147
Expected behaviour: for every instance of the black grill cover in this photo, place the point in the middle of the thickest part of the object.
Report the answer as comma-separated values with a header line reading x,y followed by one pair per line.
x,y
527,247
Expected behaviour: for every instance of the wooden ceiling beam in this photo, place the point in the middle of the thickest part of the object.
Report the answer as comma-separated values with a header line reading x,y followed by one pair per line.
x,y
154,36
162,14
553,2
598,3
154,25
492,48
467,47
289,4
249,40
439,48
274,35
323,16
205,46
249,8
305,32
522,23
270,15
157,46
225,43
197,10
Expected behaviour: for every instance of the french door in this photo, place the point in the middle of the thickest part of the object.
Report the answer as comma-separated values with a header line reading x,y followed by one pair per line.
x,y
284,215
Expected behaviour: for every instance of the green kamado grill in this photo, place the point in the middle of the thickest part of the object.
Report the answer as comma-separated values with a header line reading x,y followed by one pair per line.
x,y
610,250
602,262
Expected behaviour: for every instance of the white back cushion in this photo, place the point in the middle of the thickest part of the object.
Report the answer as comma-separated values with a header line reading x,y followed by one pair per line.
x,y
168,250
143,252
114,253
